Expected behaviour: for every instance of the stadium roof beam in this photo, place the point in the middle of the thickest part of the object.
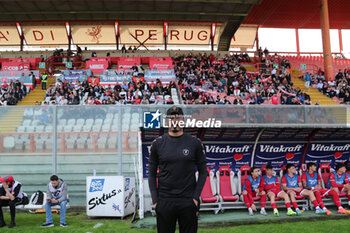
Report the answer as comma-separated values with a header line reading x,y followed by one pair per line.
x,y
230,12
125,12
178,1
250,2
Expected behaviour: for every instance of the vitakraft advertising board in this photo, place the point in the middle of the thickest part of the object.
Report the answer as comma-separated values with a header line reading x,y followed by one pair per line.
x,y
331,153
279,154
217,155
110,196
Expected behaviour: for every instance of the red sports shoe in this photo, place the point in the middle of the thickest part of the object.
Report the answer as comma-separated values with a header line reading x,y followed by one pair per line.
x,y
343,211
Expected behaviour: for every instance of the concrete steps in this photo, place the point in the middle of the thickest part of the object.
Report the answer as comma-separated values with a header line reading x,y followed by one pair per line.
x,y
37,94
11,120
315,95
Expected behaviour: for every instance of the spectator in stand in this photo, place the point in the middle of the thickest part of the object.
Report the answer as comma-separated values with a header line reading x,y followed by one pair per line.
x,y
144,100
79,51
200,75
266,52
274,99
238,101
66,93
319,85
307,80
123,49
347,98
260,52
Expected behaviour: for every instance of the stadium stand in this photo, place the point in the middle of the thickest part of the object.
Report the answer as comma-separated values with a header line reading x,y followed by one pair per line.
x,y
337,90
206,79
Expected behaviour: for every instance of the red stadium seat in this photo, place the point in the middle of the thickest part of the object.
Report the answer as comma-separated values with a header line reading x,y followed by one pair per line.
x,y
263,169
209,199
244,172
324,170
207,194
226,184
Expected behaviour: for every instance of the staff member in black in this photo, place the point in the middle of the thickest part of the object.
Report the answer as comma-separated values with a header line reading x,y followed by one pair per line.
x,y
10,195
176,197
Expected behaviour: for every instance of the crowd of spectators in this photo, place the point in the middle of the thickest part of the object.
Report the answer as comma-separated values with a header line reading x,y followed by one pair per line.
x,y
339,87
204,79
11,93
137,91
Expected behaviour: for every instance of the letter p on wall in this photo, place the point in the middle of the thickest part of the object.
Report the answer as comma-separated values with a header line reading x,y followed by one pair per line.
x,y
49,35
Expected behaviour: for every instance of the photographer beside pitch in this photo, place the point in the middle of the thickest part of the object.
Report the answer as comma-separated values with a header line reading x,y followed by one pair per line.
x,y
176,196
57,194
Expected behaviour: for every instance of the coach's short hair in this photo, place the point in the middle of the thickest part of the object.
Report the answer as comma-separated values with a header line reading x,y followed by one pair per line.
x,y
269,166
54,178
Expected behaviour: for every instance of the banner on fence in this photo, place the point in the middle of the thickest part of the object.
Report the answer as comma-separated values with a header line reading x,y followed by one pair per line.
x,y
15,66
128,62
160,63
162,75
97,67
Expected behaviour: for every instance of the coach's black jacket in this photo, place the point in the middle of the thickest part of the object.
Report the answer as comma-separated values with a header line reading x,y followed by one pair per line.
x,y
176,158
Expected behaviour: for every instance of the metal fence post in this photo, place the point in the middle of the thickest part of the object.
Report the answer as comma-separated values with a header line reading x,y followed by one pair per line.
x,y
54,140
120,142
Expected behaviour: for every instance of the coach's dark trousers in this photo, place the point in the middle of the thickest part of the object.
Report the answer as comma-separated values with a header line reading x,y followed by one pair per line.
x,y
169,212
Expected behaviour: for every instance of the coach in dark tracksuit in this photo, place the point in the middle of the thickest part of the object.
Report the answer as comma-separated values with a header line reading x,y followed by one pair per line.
x,y
176,198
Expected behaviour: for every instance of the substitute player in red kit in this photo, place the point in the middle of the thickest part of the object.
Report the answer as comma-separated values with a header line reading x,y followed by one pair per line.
x,y
339,180
272,186
312,181
176,197
291,184
252,188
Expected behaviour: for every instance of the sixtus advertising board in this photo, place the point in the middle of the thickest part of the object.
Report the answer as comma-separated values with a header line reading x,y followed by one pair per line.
x,y
331,153
235,155
110,196
279,154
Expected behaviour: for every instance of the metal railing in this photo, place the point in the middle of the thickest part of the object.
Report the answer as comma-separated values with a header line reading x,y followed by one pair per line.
x,y
76,141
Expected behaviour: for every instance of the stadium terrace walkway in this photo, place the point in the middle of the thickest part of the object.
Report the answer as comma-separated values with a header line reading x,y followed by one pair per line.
x,y
241,217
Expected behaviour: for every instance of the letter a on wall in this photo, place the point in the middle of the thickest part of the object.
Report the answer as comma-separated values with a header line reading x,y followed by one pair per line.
x,y
9,35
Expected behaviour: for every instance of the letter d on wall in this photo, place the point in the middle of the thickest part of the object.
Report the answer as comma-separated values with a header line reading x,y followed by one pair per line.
x,y
38,35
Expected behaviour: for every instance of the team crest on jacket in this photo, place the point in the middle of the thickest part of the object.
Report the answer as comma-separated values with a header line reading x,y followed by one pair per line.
x,y
185,152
